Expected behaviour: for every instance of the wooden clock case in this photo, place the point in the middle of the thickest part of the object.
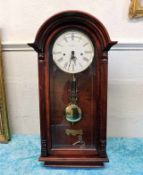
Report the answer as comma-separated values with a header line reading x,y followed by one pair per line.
x,y
56,148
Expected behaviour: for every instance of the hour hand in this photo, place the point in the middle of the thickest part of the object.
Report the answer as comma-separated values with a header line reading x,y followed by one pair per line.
x,y
71,58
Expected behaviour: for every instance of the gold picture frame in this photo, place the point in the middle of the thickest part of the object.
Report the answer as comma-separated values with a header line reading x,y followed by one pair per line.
x,y
4,127
135,9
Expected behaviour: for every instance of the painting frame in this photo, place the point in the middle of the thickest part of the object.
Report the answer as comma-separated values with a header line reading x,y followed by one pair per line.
x,y
4,125
135,9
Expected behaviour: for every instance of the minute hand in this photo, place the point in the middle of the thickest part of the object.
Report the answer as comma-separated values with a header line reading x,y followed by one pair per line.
x,y
74,59
71,58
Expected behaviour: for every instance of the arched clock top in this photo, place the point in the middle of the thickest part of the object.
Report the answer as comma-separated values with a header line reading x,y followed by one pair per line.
x,y
72,18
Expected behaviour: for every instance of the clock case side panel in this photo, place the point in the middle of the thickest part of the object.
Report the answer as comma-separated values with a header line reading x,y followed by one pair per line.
x,y
102,105
43,105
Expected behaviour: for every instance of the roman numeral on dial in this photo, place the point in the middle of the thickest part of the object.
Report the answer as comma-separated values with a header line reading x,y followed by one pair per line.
x,y
80,65
73,67
85,59
88,52
60,59
72,36
85,44
65,65
56,53
59,44
65,39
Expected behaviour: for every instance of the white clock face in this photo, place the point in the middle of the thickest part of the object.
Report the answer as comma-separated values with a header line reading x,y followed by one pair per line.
x,y
73,51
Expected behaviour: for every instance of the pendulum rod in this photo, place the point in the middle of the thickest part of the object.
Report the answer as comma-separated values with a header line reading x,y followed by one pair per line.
x,y
73,92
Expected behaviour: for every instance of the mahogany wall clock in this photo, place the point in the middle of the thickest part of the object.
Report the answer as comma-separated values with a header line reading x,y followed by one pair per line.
x,y
72,51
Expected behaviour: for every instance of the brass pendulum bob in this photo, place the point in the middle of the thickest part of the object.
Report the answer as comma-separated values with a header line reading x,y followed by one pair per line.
x,y
73,112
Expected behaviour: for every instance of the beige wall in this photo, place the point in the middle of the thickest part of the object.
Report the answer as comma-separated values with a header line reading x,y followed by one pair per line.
x,y
21,79
20,19
19,23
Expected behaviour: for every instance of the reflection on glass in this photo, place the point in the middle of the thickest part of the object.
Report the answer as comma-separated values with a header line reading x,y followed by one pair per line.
x,y
67,134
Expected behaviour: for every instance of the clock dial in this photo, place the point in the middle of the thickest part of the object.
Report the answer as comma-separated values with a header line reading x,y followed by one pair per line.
x,y
73,51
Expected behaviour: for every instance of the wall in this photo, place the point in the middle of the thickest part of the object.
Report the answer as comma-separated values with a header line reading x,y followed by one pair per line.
x,y
20,19
125,111
19,24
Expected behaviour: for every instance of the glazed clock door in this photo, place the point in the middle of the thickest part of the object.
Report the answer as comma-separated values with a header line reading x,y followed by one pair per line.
x,y
72,52
73,85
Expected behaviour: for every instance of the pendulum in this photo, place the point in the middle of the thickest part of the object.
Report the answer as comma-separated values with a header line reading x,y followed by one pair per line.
x,y
73,112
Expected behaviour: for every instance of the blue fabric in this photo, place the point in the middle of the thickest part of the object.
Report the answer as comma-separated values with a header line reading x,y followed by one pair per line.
x,y
20,157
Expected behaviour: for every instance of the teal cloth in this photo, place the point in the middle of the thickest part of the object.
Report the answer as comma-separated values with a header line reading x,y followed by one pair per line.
x,y
20,157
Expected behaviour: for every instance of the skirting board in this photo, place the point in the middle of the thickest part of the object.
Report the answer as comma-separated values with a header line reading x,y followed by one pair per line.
x,y
118,47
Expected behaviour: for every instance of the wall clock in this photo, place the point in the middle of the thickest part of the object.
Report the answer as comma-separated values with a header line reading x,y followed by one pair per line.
x,y
72,51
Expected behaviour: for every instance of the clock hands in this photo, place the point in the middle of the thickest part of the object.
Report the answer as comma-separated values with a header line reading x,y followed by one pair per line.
x,y
70,61
72,58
